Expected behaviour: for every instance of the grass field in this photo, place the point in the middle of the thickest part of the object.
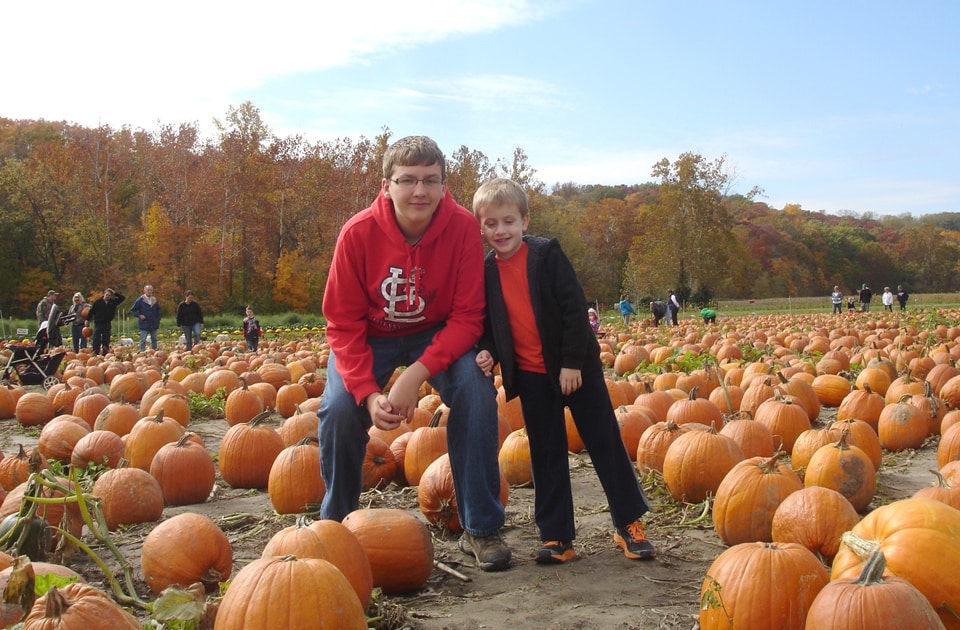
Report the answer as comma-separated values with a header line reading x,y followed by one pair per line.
x,y
735,308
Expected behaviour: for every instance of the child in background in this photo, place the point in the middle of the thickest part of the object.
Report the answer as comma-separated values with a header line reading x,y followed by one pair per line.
x,y
594,320
251,331
851,304
537,330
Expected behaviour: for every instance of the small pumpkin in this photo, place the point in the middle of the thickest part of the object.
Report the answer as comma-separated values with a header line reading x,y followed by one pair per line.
x,y
396,568
184,549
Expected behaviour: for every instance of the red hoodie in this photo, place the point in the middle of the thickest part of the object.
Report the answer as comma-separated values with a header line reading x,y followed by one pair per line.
x,y
381,286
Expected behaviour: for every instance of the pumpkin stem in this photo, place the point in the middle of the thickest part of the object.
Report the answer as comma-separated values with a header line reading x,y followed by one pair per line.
x,y
57,604
860,546
435,420
872,572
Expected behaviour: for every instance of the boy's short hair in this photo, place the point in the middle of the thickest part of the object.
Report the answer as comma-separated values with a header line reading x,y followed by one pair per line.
x,y
501,191
413,151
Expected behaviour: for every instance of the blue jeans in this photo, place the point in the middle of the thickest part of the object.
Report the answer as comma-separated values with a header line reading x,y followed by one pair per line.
x,y
79,341
472,433
191,334
593,414
143,339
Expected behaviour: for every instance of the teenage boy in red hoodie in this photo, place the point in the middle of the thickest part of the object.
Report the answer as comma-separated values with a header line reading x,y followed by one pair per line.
x,y
406,289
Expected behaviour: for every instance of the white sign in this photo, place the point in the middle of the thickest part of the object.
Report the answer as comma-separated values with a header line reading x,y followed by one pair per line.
x,y
23,331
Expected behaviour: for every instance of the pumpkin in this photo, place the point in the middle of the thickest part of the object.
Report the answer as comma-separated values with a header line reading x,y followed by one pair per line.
x,y
696,463
510,409
288,397
117,417
802,391
294,484
436,494
814,517
941,491
862,404
932,408
58,437
756,393
844,468
754,437
425,445
247,451
379,465
831,389
633,420
760,585
147,436
290,592
15,469
808,442
34,408
104,448
785,418
514,458
574,441
863,436
300,425
902,426
871,600
693,409
220,379
64,515
89,405
184,549
184,470
949,448
128,496
128,387
327,540
918,538
78,605
397,568
653,445
749,495
176,406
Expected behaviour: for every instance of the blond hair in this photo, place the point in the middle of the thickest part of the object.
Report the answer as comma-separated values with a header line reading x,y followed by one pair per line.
x,y
413,151
501,191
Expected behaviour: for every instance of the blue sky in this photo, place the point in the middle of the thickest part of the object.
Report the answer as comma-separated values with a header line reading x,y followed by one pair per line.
x,y
836,106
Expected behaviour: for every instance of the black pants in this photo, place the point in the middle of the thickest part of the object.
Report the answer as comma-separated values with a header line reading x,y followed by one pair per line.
x,y
543,415
673,316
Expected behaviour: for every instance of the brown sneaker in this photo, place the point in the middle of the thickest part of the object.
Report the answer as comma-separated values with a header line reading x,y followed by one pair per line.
x,y
634,542
555,552
491,552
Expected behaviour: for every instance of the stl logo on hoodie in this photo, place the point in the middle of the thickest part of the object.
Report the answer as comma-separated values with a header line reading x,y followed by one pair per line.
x,y
404,304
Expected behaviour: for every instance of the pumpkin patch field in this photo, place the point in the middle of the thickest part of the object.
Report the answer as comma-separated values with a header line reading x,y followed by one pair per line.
x,y
802,469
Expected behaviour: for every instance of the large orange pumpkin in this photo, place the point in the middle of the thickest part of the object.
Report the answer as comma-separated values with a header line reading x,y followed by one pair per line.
x,y
295,484
760,586
128,496
290,592
918,538
814,517
397,568
844,468
184,549
697,462
247,452
78,605
327,540
184,470
749,495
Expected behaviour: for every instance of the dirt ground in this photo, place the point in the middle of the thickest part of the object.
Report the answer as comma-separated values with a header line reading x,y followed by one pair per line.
x,y
599,589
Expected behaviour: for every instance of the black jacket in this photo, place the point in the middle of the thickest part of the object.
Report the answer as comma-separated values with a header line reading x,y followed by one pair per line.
x,y
189,313
103,311
559,307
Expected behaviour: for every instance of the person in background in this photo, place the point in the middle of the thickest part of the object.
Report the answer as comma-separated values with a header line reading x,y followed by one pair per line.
x,y
45,307
851,304
626,309
673,304
190,319
413,299
102,312
709,315
902,297
658,309
837,298
535,330
594,320
887,299
251,330
79,322
865,295
147,311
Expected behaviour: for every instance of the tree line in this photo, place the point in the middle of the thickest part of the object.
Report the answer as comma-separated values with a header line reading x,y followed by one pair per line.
x,y
247,217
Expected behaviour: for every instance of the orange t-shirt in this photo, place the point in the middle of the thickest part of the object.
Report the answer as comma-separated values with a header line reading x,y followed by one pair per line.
x,y
523,325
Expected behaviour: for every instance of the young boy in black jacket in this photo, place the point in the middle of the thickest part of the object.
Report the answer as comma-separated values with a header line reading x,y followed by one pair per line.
x,y
537,330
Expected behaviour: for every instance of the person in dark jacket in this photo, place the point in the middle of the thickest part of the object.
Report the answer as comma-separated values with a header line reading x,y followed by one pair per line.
x,y
102,312
147,311
659,310
190,319
537,330
865,295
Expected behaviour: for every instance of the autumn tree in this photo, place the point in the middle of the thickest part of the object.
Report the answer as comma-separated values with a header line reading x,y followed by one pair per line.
x,y
686,235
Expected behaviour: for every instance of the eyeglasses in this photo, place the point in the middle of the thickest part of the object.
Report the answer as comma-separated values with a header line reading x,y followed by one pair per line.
x,y
411,182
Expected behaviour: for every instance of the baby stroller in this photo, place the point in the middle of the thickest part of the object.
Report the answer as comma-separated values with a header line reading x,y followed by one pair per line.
x,y
29,364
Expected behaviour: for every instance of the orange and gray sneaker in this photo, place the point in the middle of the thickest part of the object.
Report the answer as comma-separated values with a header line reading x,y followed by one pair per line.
x,y
555,552
634,542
